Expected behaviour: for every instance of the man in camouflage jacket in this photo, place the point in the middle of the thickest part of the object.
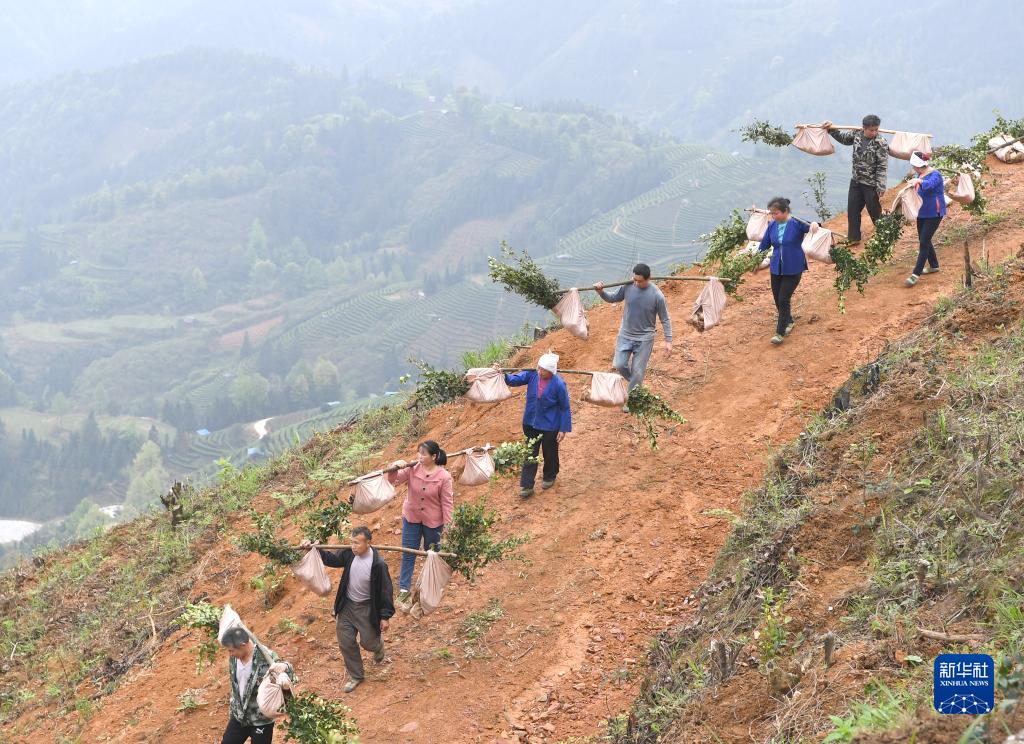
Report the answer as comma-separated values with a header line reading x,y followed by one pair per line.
x,y
870,169
248,665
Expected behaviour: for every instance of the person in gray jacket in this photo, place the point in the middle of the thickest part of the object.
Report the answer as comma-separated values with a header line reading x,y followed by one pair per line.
x,y
644,304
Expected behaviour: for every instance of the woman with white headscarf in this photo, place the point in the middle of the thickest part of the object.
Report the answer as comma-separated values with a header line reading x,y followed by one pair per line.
x,y
546,419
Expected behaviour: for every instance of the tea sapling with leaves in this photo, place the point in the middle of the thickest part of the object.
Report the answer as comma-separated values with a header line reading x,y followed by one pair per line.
x,y
526,279
788,262
647,407
509,457
547,418
766,132
469,539
427,507
643,305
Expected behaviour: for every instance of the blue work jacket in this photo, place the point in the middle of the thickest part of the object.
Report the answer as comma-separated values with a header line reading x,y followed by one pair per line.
x,y
549,412
789,258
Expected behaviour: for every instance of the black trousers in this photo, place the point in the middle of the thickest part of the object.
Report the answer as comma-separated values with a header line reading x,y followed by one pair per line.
x,y
548,444
926,227
236,733
783,287
861,195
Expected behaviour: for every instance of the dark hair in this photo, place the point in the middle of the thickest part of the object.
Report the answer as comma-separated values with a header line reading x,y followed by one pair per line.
x,y
642,270
871,121
234,638
364,531
780,203
433,448
925,156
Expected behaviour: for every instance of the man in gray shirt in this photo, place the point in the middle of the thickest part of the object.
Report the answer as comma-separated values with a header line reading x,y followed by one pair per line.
x,y
644,304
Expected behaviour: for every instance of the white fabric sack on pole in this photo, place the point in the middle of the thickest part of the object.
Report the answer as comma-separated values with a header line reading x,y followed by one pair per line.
x,y
963,191
571,314
608,389
903,144
434,578
1012,152
818,245
909,202
710,304
311,573
229,619
478,470
270,694
814,141
373,492
487,385
757,224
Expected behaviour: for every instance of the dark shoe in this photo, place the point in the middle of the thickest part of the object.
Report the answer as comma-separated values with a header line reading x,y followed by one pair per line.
x,y
547,484
526,492
378,655
352,684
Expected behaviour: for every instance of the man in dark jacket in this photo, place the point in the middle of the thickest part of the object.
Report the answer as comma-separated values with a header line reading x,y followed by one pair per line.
x,y
364,603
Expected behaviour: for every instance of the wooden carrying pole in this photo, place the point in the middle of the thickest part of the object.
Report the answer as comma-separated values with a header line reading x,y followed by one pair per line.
x,y
393,548
653,278
561,371
1011,143
396,468
852,126
765,211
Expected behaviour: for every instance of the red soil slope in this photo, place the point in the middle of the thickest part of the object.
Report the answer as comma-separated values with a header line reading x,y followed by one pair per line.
x,y
617,546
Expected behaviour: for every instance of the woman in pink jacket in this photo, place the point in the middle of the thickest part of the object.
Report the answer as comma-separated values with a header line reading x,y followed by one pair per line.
x,y
427,509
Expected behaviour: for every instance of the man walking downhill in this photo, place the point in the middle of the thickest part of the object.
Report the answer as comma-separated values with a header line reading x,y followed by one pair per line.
x,y
248,665
870,171
547,418
644,303
364,603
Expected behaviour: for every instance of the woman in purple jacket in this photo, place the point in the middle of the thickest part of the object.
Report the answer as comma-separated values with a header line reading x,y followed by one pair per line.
x,y
930,187
546,419
788,263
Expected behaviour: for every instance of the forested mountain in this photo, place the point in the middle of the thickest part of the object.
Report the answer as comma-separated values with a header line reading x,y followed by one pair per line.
x,y
698,69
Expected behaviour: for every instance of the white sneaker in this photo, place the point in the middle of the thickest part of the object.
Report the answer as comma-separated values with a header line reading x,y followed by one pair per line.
x,y
930,270
911,280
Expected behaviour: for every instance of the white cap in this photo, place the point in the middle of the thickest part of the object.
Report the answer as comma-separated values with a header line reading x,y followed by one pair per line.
x,y
917,162
549,362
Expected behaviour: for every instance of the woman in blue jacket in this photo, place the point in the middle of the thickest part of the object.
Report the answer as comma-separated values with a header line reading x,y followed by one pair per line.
x,y
930,187
546,419
788,263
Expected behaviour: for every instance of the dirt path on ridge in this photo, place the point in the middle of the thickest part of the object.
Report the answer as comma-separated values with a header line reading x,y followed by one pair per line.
x,y
617,545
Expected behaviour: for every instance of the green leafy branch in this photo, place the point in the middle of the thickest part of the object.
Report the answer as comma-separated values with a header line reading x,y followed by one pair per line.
x,y
649,407
525,278
724,257
510,457
314,720
205,618
468,536
437,386
764,131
